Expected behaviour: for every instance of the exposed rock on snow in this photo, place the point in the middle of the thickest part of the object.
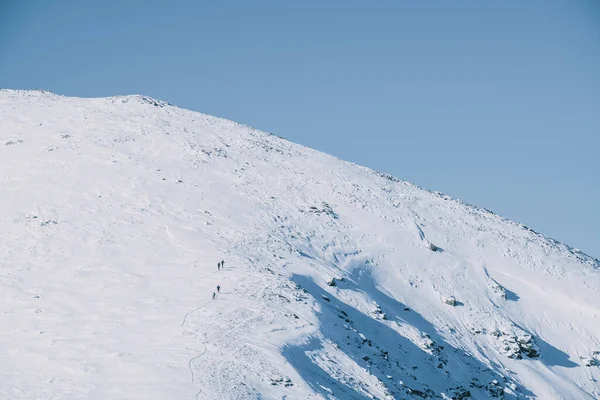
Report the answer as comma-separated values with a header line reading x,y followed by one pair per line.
x,y
378,312
589,361
450,300
433,247
498,289
325,209
513,342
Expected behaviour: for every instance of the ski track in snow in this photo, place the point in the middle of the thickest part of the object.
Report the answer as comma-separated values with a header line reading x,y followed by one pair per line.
x,y
114,213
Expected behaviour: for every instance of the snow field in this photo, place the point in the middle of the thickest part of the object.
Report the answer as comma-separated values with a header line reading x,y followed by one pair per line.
x,y
114,213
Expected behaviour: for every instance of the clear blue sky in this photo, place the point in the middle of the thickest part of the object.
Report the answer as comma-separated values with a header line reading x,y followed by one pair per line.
x,y
494,102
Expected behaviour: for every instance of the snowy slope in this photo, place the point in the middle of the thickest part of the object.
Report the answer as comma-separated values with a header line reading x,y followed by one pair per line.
x,y
114,213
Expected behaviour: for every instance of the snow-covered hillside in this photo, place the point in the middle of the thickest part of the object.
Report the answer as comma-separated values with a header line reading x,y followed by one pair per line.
x,y
339,282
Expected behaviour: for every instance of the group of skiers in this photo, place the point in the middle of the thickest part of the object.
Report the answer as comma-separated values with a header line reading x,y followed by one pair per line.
x,y
220,265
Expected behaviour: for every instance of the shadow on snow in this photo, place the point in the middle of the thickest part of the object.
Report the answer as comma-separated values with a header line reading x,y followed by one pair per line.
x,y
382,351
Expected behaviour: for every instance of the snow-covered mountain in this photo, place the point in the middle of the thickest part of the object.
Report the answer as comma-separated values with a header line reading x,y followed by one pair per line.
x,y
339,282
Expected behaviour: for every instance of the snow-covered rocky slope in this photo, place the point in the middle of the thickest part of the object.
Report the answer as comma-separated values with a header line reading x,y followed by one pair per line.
x,y
339,282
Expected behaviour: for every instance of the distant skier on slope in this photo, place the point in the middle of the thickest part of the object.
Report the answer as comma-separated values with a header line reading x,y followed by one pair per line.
x,y
219,266
218,289
223,264
214,295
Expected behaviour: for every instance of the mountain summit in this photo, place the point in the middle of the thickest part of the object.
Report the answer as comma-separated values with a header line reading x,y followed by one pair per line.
x,y
338,282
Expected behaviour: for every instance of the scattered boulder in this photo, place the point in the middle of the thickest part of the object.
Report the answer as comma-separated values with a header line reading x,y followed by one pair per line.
x,y
344,315
498,289
517,346
527,345
433,247
450,300
325,209
378,312
278,381
385,354
462,394
589,361
510,340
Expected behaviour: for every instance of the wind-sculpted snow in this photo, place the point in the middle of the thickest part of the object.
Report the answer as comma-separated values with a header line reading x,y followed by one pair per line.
x,y
339,282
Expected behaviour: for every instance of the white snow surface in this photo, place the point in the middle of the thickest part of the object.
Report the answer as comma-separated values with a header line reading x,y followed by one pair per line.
x,y
115,211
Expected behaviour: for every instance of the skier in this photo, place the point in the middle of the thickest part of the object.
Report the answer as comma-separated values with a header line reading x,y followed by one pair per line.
x,y
214,295
222,263
218,266
218,289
